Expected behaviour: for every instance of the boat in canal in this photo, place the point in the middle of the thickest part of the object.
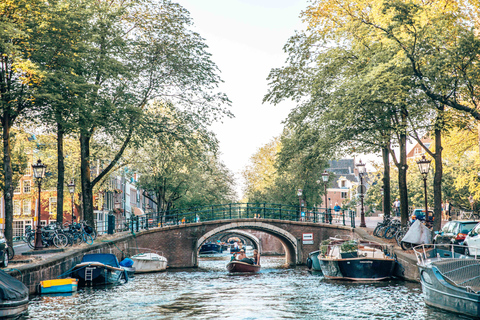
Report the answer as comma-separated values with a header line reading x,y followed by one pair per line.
x,y
13,296
450,280
149,261
356,260
99,269
210,248
312,261
66,285
240,266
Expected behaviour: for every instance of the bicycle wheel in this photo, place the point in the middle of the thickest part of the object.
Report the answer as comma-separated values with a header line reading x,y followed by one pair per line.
x,y
377,229
87,238
10,252
60,240
390,232
406,245
399,236
31,241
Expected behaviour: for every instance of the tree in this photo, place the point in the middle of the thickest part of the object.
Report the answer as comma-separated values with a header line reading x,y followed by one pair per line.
x,y
18,76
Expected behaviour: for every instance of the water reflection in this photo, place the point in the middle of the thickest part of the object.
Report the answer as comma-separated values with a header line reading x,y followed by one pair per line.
x,y
209,292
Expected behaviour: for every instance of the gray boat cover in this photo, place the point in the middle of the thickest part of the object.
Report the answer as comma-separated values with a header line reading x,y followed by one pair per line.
x,y
11,288
461,272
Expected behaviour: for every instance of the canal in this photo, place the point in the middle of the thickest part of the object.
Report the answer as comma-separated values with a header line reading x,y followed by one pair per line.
x,y
209,292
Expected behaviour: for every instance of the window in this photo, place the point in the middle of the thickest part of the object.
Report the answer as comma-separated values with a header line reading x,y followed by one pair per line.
x,y
18,189
28,170
344,195
27,185
343,184
52,205
17,209
27,207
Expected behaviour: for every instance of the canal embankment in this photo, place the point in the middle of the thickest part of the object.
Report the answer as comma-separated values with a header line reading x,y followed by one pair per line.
x,y
36,266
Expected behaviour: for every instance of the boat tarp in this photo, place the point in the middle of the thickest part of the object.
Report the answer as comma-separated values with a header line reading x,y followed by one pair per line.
x,y
461,272
418,233
11,288
105,258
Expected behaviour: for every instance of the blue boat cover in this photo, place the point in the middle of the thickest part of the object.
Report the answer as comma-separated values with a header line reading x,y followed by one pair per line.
x,y
127,262
11,288
106,258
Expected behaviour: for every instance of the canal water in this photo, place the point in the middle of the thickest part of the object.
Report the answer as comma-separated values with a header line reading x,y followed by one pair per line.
x,y
209,292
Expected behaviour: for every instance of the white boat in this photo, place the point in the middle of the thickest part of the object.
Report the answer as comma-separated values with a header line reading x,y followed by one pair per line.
x,y
149,262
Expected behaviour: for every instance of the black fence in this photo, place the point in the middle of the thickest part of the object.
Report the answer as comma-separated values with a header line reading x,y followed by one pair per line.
x,y
227,212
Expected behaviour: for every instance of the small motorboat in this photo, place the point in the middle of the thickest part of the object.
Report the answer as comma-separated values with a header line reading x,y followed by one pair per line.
x,y
357,260
13,296
149,262
99,269
66,285
210,248
450,280
240,266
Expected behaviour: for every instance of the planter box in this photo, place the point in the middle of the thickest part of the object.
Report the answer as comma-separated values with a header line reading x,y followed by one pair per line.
x,y
347,255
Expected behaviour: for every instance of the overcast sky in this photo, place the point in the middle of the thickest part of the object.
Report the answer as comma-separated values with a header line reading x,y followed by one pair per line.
x,y
246,38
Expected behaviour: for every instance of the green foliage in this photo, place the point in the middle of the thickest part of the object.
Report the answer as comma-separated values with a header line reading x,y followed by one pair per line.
x,y
349,246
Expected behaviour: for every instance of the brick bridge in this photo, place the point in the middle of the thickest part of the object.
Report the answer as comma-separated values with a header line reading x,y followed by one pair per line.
x,y
180,243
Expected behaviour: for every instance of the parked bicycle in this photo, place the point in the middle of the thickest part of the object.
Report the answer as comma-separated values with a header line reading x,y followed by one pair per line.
x,y
50,237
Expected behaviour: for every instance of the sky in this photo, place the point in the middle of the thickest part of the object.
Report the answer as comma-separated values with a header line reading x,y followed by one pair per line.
x,y
246,39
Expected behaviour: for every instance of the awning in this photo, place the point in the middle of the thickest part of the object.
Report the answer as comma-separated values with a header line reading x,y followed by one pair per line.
x,y
138,211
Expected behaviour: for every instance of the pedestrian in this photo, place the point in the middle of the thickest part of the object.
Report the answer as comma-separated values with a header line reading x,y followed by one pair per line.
x,y
448,210
396,207
337,209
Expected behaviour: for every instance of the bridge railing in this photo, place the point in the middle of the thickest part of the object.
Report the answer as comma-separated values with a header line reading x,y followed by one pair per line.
x,y
227,212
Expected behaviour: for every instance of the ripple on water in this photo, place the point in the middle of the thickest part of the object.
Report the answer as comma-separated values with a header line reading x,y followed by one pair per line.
x,y
209,292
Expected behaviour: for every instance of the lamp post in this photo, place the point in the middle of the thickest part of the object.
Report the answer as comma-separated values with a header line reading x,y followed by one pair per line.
x,y
424,167
361,172
325,180
299,194
71,188
38,174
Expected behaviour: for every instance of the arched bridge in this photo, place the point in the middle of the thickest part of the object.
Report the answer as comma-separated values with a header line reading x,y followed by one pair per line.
x,y
179,235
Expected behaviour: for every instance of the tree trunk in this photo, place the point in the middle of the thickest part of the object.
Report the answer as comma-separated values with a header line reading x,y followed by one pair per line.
x,y
8,172
386,181
61,174
402,173
437,180
87,192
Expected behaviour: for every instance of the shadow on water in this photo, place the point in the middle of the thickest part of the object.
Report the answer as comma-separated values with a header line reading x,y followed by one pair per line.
x,y
210,292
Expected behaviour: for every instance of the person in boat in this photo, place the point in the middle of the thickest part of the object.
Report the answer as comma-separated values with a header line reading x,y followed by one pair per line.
x,y
233,257
241,255
256,257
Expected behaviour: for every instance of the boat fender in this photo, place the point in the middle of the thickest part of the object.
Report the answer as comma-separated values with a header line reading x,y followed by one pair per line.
x,y
309,263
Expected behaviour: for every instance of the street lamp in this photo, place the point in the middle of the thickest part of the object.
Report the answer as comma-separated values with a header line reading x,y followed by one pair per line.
x,y
38,174
424,167
361,172
299,194
325,180
71,188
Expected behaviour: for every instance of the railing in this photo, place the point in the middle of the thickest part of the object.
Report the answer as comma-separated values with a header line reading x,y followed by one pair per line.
x,y
227,212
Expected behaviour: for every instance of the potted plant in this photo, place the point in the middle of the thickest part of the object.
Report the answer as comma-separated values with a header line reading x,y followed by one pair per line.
x,y
348,249
324,247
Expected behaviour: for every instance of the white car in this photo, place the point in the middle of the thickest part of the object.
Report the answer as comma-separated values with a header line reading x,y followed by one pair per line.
x,y
472,242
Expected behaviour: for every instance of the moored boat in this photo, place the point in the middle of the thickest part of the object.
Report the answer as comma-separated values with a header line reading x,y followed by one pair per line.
x,y
13,296
356,260
240,266
99,269
58,285
149,262
312,261
450,280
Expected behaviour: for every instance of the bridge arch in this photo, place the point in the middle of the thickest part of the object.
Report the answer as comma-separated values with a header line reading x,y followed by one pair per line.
x,y
243,234
290,243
